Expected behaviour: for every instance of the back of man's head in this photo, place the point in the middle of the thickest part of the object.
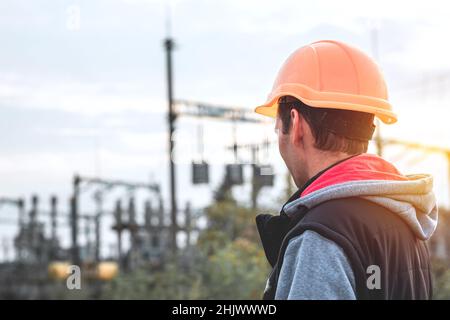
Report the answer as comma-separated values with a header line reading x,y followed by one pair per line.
x,y
334,130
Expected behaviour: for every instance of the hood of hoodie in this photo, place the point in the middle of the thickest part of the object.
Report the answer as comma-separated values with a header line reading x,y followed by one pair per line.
x,y
373,178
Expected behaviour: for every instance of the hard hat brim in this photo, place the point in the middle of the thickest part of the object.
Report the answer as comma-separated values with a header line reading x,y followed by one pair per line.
x,y
381,108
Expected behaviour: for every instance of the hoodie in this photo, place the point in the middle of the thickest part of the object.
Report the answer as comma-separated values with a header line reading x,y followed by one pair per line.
x,y
312,265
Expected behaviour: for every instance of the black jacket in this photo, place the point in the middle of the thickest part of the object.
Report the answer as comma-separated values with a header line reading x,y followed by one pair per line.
x,y
368,233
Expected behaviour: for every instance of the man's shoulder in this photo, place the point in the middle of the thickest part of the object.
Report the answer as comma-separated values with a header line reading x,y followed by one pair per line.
x,y
311,241
355,224
353,212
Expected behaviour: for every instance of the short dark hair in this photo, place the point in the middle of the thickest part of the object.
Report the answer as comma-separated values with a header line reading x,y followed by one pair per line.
x,y
333,129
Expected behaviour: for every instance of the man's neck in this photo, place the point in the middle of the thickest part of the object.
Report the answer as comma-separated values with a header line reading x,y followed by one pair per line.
x,y
322,160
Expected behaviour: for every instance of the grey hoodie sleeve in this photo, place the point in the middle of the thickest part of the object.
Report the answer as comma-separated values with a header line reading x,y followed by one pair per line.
x,y
315,268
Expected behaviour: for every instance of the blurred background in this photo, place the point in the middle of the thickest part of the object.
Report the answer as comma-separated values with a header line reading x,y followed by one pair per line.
x,y
92,91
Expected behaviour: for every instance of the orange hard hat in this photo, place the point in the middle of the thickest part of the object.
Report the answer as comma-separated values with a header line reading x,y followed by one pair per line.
x,y
331,74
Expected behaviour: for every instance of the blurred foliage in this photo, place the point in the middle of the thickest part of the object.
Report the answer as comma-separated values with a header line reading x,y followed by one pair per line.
x,y
59,291
441,279
227,263
238,271
171,283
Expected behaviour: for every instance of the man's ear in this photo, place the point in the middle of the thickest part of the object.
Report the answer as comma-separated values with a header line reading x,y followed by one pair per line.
x,y
297,127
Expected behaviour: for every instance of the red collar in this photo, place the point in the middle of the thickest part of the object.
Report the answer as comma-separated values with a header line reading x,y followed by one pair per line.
x,y
362,167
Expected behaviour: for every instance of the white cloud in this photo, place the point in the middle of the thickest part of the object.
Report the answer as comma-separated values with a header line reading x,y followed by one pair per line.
x,y
89,99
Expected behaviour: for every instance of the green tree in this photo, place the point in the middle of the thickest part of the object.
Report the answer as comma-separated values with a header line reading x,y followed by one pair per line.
x,y
441,279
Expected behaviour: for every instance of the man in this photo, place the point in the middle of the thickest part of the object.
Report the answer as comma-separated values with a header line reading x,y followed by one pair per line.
x,y
356,228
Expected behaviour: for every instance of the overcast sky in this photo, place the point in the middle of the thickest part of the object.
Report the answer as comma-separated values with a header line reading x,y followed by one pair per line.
x,y
82,83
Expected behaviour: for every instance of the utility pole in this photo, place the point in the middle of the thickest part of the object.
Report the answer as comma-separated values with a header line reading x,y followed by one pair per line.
x,y
194,109
21,207
99,208
54,236
188,223
53,213
20,204
119,228
34,230
74,220
255,186
169,46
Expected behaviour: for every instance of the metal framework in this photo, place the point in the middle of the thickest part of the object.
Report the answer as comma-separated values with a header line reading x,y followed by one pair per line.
x,y
82,184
